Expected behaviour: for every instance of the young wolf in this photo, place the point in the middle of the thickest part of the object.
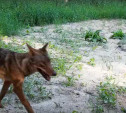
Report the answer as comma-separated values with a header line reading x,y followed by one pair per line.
x,y
14,67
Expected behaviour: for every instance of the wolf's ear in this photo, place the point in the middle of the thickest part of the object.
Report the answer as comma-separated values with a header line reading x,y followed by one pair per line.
x,y
32,51
44,47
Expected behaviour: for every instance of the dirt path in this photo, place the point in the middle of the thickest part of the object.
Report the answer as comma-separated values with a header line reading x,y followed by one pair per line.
x,y
109,61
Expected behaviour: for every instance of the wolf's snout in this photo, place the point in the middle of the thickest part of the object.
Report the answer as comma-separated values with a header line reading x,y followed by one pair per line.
x,y
54,73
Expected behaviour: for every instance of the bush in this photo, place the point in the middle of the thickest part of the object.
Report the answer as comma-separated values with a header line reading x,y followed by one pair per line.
x,y
95,37
118,35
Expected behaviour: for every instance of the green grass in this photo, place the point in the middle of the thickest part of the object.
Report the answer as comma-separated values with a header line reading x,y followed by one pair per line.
x,y
15,14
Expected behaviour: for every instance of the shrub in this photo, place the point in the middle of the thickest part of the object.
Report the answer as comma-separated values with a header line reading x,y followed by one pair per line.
x,y
118,35
95,37
107,92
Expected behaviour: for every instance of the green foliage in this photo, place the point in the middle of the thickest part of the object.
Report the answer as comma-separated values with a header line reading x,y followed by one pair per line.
x,y
60,65
123,110
75,111
118,35
107,93
79,66
91,62
9,24
15,14
34,90
95,37
70,80
98,109
12,46
78,59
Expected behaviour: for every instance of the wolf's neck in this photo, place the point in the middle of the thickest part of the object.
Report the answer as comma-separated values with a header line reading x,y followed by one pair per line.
x,y
23,60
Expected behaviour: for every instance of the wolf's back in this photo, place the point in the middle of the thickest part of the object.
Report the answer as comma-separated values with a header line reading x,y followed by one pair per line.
x,y
3,55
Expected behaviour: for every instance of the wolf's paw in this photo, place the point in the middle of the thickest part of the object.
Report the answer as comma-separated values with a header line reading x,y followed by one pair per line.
x,y
1,106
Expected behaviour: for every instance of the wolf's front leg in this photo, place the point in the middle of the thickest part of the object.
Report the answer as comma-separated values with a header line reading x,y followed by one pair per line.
x,y
19,91
4,90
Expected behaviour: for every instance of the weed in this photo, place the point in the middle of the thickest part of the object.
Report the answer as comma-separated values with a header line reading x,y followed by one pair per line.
x,y
107,93
10,45
70,80
95,37
60,65
52,46
79,66
98,109
75,111
78,59
37,93
123,110
118,35
7,99
58,30
92,62
94,48
43,30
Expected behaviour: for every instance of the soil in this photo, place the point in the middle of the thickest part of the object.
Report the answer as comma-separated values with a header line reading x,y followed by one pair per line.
x,y
110,60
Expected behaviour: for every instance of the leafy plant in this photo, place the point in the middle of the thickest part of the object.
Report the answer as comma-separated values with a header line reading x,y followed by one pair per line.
x,y
91,62
60,65
95,37
107,92
78,59
75,111
70,80
34,89
118,35
107,95
98,109
123,110
79,66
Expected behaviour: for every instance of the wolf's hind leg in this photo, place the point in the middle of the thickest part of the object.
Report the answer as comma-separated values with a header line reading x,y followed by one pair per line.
x,y
4,91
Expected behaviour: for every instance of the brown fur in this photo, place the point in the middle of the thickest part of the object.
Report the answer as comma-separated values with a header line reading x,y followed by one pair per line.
x,y
14,67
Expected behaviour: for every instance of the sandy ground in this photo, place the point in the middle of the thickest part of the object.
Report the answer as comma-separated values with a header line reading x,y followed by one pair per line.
x,y
109,60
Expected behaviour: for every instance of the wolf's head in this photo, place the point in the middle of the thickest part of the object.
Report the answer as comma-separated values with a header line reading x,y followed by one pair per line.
x,y
41,61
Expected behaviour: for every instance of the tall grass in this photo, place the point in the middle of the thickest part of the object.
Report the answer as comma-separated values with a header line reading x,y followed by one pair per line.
x,y
15,14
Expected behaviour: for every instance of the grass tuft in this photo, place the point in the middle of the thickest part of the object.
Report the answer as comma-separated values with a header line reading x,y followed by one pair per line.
x,y
95,37
118,35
